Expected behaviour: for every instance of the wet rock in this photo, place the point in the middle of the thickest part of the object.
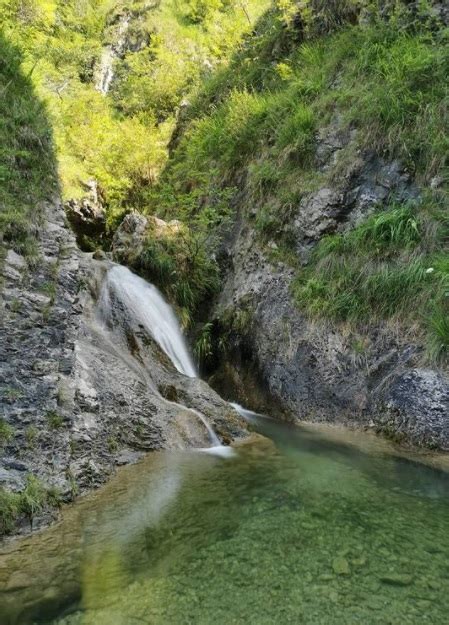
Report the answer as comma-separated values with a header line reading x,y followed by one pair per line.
x,y
91,399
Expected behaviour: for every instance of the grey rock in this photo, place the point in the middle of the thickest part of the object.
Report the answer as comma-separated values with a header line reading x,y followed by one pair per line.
x,y
417,403
310,370
86,217
93,401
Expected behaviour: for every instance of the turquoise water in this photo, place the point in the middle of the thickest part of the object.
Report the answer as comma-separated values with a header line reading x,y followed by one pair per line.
x,y
306,529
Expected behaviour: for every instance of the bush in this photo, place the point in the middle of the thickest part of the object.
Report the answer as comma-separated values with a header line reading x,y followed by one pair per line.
x,y
182,267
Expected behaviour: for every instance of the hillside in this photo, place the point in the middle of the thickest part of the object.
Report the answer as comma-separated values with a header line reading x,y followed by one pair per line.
x,y
313,170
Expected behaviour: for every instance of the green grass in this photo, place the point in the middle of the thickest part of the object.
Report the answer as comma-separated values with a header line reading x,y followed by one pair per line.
x,y
181,267
54,420
28,503
27,164
253,127
6,432
392,265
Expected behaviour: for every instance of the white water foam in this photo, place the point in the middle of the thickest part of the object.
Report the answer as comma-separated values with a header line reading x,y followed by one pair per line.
x,y
147,306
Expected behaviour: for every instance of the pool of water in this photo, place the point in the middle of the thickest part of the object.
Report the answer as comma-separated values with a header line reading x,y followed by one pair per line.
x,y
301,528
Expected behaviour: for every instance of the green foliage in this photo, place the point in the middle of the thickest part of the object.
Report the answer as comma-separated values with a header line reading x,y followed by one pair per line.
x,y
203,348
54,420
438,323
9,510
383,234
383,268
254,125
6,432
31,436
33,498
181,266
121,139
27,167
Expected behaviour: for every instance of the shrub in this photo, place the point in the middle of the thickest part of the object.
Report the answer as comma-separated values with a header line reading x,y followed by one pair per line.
x,y
181,266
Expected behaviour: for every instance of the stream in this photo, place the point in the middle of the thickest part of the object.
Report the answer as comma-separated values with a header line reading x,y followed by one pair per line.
x,y
298,525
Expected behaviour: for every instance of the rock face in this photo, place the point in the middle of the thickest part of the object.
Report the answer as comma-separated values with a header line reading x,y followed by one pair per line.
x,y
79,397
87,216
313,370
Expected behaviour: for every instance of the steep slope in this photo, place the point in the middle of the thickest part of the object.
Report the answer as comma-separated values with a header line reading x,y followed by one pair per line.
x,y
314,167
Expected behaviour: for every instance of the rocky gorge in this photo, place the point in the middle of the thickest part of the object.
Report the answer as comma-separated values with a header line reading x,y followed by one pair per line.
x,y
224,312
265,163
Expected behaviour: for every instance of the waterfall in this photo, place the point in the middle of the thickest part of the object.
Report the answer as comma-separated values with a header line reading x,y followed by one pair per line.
x,y
147,306
110,53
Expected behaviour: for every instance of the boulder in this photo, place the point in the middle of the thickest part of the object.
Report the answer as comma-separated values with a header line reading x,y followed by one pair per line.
x,y
135,229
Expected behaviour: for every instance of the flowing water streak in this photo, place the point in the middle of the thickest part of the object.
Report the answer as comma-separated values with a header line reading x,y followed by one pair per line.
x,y
147,306
110,53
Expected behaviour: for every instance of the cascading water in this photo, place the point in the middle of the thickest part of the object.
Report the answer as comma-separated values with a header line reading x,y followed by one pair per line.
x,y
147,306
110,54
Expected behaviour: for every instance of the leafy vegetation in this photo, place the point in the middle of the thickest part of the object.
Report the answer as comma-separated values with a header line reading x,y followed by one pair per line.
x,y
27,166
54,420
119,139
390,265
254,124
239,90
32,500
6,432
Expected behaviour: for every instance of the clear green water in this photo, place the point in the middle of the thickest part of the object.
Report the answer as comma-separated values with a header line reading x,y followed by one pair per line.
x,y
306,531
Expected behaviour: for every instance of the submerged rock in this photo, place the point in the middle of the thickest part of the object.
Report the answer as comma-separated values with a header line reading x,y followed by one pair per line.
x,y
397,579
340,566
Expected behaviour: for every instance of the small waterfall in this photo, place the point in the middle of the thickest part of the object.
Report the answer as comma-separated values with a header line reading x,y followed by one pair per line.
x,y
106,73
248,415
147,306
110,53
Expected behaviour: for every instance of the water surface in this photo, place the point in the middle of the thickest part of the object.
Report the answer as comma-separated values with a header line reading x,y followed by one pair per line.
x,y
306,529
